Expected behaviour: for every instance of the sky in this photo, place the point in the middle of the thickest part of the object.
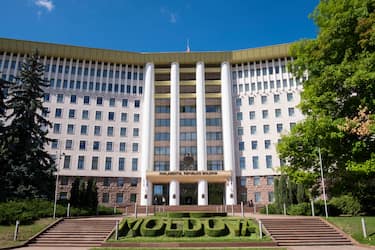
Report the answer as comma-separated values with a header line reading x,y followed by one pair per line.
x,y
157,25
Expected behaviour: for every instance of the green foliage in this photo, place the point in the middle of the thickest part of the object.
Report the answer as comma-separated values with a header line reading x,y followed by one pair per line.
x,y
152,227
346,204
216,228
84,195
193,228
174,229
272,209
300,209
27,168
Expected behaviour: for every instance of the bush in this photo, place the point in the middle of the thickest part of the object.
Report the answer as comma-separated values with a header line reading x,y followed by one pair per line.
x,y
206,214
135,226
153,227
216,228
272,209
174,229
193,228
345,204
300,209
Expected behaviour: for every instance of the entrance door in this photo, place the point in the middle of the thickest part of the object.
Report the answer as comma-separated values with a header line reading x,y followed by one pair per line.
x,y
188,193
216,193
160,194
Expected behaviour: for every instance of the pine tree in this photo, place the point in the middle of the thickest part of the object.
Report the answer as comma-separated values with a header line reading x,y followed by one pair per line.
x,y
5,168
74,193
31,173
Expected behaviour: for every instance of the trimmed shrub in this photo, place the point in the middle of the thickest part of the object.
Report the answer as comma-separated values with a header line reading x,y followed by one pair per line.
x,y
193,228
174,229
123,228
216,228
152,227
178,215
345,204
300,209
134,227
207,214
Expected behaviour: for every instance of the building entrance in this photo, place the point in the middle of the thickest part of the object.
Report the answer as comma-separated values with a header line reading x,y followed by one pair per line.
x,y
160,194
216,193
188,193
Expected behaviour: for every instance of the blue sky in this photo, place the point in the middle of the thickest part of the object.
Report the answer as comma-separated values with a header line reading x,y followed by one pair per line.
x,y
153,25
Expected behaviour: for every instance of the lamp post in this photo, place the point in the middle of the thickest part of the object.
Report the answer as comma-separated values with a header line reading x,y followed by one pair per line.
x,y
57,183
323,185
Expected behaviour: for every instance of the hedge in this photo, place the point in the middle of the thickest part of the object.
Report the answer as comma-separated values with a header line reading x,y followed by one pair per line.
x,y
152,227
134,227
193,228
174,229
216,228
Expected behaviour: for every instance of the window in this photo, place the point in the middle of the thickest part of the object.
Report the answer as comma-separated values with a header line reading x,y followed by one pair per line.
x,y
96,145
243,181
188,122
106,182
133,198
133,182
291,111
73,99
63,195
276,98
241,146
267,144
271,197
122,147
56,128
108,163
263,99
238,102
98,115
119,198
81,162
251,100
58,113
83,129
252,115
86,99
255,162
192,136
214,150
264,114
120,181
99,101
162,109
165,136
269,180
85,114
239,116
68,144
162,123
109,146
240,131
112,102
97,130
253,129
134,164
135,147
60,98
136,117
292,125
82,145
121,164
289,97
277,113
256,181
45,95
94,162
254,145
55,143
105,198
66,161
215,165
64,180
70,129
72,113
213,121
137,103
111,116
266,129
242,162
268,161
109,131
257,197
124,117
122,132
124,102
279,127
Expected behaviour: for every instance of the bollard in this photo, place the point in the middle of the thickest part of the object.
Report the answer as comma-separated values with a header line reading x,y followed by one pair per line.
x,y
68,211
232,210
146,210
312,208
114,210
16,230
284,206
135,210
242,215
267,209
116,232
364,228
255,208
260,229
126,211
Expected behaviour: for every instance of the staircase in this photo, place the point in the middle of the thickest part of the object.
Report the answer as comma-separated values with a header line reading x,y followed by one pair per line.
x,y
75,233
303,231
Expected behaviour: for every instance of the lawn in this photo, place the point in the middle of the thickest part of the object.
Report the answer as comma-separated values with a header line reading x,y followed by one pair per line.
x,y
25,232
213,248
353,226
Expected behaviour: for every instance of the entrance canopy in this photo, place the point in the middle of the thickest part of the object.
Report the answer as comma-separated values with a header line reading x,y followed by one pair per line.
x,y
188,176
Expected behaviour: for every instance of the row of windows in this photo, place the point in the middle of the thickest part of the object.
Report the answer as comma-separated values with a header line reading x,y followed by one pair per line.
x,y
72,114
188,136
211,150
265,99
265,114
215,165
105,198
96,145
265,85
107,181
95,164
255,162
188,122
258,196
188,109
60,98
256,180
84,130
266,128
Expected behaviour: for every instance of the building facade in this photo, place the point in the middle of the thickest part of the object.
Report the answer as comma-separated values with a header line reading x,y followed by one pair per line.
x,y
165,128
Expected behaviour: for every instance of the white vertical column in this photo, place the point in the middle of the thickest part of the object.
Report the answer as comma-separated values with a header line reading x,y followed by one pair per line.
x,y
174,186
228,140
147,155
201,132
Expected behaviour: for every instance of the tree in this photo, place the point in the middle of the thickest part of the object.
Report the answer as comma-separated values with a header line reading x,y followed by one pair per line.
x,y
31,167
75,193
337,100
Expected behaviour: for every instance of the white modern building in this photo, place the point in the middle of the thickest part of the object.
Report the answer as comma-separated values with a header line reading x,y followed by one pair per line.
x,y
177,128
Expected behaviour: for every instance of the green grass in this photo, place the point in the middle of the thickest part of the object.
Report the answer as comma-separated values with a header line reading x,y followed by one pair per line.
x,y
214,248
353,226
25,232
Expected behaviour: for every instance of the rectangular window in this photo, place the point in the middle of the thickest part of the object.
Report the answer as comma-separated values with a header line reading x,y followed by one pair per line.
x,y
263,99
276,98
68,144
253,129
81,162
255,162
277,113
242,162
134,164
119,198
124,117
268,161
279,127
291,111
106,182
239,116
109,146
121,164
266,129
66,161
120,181
60,98
133,197
109,131
58,113
72,113
241,146
252,115
82,145
243,181
239,131
86,100
94,162
271,197
269,180
108,163
111,116
98,115
112,102
97,130
251,100
257,197
267,144
289,97
135,147
137,103
85,114
96,146
256,181
264,114
73,99
238,102
105,198
83,129
99,100
56,128
254,145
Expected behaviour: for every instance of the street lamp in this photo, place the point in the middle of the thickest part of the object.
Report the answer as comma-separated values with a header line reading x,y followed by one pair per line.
x,y
323,186
57,183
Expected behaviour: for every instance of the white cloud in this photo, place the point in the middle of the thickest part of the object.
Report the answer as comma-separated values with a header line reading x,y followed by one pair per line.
x,y
47,4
